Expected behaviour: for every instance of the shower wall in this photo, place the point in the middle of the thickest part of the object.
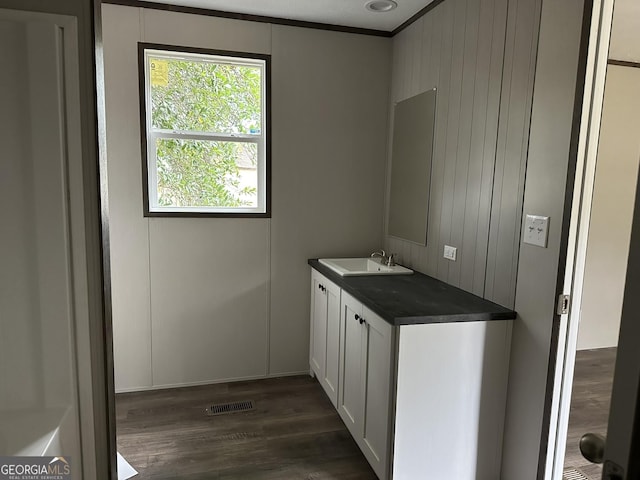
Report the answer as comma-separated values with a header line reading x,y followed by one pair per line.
x,y
37,375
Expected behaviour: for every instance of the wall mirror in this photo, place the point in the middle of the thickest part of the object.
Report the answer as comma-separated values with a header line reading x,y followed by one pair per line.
x,y
412,151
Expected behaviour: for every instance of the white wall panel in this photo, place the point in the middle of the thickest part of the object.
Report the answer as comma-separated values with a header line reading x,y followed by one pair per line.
x,y
241,284
330,94
199,31
612,210
20,355
209,287
625,31
129,230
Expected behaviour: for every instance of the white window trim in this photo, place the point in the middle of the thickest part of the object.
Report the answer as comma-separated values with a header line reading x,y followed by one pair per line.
x,y
153,134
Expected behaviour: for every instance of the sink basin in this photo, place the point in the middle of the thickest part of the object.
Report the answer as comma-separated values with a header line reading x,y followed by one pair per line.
x,y
349,267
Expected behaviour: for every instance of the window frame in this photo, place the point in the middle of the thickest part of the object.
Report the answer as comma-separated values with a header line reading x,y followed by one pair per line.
x,y
147,135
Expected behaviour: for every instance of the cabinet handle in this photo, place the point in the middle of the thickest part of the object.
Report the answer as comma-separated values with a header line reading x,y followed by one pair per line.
x,y
362,321
358,318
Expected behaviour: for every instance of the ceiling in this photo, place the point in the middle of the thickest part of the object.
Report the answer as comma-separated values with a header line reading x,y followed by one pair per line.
x,y
348,13
625,32
625,36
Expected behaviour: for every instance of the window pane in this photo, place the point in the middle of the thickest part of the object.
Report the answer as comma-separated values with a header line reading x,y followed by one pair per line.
x,y
198,173
192,95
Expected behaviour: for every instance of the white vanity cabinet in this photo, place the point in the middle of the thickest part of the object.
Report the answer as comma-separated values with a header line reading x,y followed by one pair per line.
x,y
423,399
365,380
324,335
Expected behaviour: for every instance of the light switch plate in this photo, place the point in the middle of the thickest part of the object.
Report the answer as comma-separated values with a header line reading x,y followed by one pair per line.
x,y
450,252
536,230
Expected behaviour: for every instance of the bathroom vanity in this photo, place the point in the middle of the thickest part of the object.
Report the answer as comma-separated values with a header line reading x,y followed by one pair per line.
x,y
417,370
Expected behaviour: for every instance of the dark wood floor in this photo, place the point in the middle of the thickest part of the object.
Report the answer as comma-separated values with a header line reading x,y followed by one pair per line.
x,y
293,433
590,399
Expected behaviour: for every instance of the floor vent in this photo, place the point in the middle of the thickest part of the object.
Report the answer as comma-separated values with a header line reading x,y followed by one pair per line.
x,y
573,474
238,436
233,407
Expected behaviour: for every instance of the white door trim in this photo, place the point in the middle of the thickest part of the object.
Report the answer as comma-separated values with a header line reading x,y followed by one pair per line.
x,y
600,31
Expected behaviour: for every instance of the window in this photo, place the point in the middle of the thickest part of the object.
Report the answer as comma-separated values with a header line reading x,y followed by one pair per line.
x,y
205,124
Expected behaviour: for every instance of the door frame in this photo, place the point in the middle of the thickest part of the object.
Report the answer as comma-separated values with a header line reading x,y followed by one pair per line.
x,y
561,376
105,252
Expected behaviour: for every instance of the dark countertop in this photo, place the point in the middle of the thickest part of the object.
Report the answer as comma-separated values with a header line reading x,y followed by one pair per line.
x,y
416,299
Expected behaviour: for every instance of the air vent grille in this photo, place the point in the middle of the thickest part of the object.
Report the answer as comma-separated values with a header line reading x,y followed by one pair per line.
x,y
573,474
232,407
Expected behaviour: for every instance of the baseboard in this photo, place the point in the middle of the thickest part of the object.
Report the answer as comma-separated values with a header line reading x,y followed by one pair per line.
x,y
287,374
209,382
189,384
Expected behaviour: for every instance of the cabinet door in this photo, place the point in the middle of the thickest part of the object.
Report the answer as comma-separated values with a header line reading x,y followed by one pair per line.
x,y
351,394
377,391
318,332
332,353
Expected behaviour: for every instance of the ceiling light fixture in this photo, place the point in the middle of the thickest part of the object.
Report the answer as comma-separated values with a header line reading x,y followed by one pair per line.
x,y
380,6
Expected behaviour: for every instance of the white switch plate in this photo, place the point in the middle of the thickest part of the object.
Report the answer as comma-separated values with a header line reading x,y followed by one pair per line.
x,y
450,252
536,230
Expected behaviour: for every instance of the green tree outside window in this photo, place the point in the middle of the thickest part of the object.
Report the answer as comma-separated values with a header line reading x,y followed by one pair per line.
x,y
220,105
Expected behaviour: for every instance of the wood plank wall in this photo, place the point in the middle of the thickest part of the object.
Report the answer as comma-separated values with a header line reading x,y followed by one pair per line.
x,y
521,49
467,50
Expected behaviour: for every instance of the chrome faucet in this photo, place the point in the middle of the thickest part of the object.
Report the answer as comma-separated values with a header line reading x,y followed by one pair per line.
x,y
387,260
391,261
379,253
